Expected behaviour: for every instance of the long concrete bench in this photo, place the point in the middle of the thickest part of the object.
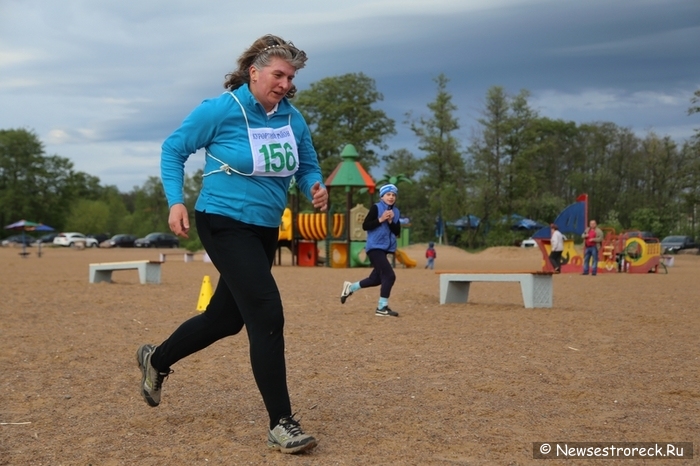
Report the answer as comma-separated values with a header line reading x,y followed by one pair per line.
x,y
186,257
536,286
149,271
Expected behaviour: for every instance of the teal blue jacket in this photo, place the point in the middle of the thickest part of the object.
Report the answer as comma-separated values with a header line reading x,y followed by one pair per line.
x,y
218,126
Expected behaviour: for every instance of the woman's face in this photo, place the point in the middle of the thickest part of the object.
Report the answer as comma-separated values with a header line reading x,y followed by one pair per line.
x,y
389,198
270,84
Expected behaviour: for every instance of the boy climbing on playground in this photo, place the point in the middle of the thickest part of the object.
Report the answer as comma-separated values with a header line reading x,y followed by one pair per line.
x,y
430,254
382,227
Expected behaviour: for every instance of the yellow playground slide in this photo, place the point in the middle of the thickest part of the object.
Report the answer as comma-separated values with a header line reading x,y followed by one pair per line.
x,y
404,259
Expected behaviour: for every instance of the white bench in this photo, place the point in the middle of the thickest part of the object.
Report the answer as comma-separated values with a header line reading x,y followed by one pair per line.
x,y
186,257
149,271
536,286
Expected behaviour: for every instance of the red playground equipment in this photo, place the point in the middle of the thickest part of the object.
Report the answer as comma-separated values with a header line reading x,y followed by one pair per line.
x,y
620,252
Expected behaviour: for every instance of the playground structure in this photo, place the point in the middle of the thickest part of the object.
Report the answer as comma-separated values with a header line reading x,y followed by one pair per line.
x,y
620,252
341,232
301,233
332,229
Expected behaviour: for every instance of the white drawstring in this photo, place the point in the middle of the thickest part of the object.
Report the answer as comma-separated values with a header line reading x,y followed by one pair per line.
x,y
226,168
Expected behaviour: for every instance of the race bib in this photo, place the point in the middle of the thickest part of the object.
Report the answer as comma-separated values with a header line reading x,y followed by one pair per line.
x,y
274,151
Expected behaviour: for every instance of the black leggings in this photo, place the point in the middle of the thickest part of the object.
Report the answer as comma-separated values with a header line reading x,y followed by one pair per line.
x,y
245,295
382,274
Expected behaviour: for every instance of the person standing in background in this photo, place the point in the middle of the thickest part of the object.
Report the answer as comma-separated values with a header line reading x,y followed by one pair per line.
x,y
430,254
557,248
592,239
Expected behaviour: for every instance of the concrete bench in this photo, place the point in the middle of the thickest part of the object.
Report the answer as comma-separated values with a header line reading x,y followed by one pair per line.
x,y
536,286
149,271
186,257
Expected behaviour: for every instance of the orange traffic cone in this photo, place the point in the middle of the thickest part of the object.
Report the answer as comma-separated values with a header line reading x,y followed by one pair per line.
x,y
205,294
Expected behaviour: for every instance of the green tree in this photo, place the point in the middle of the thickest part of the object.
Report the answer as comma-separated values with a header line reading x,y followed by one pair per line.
x,y
488,155
118,218
21,162
108,214
443,168
609,169
691,187
339,111
664,177
88,216
695,100
551,162
150,208
402,161
646,219
38,187
691,191
519,183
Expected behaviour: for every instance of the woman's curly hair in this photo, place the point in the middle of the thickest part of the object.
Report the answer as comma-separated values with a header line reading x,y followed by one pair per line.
x,y
260,55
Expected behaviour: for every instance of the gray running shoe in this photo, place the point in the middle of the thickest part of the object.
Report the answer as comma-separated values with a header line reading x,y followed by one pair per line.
x,y
152,380
386,312
288,437
346,292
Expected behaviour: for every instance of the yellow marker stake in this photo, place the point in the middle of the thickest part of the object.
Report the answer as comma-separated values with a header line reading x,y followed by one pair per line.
x,y
205,294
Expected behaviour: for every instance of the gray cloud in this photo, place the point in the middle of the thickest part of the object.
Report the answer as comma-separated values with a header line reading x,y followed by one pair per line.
x,y
122,75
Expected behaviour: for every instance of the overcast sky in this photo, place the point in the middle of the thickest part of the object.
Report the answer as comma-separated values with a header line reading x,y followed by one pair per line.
x,y
104,82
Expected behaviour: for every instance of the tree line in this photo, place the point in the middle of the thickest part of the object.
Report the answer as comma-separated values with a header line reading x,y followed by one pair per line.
x,y
48,189
514,162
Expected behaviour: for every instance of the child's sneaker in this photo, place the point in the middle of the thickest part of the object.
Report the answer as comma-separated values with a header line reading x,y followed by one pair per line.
x,y
288,437
386,312
346,292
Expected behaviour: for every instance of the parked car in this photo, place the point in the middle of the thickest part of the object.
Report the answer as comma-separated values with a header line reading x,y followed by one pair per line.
x,y
158,240
18,240
71,239
528,243
647,236
100,237
120,241
676,243
47,238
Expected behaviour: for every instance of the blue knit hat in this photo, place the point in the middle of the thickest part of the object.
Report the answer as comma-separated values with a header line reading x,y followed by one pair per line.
x,y
388,188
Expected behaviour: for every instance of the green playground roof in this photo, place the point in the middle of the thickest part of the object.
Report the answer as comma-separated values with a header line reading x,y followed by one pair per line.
x,y
349,172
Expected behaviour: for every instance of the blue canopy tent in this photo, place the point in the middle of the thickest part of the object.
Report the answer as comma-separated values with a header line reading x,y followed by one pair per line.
x,y
527,224
518,222
468,221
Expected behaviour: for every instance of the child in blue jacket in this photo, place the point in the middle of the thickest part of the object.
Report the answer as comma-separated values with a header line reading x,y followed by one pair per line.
x,y
382,227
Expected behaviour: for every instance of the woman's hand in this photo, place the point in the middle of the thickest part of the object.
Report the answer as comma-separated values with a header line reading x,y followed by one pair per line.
x,y
179,220
319,197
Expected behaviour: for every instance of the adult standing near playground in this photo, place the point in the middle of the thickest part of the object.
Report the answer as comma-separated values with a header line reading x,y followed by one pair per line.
x,y
592,239
383,227
255,142
557,247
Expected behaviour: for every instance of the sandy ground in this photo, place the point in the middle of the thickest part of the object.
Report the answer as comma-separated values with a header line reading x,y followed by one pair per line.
x,y
615,359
